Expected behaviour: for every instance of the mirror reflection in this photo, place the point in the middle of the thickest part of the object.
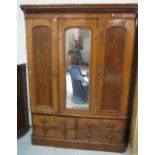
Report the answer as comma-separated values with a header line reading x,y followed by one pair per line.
x,y
77,59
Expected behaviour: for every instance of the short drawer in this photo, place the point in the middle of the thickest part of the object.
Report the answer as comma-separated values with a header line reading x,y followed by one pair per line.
x,y
47,132
54,121
101,124
100,136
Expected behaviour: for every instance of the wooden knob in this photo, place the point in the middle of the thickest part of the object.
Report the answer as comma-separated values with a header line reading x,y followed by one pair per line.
x,y
89,135
110,125
64,123
88,124
44,121
44,132
109,136
65,133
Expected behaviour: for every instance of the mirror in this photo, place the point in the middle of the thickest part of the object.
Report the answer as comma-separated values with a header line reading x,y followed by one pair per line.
x,y
77,62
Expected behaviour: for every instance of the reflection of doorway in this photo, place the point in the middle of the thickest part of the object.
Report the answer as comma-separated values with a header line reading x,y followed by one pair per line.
x,y
69,89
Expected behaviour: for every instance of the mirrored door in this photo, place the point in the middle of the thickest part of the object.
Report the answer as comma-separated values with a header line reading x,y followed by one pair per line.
x,y
77,62
77,67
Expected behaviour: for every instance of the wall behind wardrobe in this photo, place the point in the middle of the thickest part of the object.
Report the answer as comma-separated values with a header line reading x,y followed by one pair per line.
x,y
21,35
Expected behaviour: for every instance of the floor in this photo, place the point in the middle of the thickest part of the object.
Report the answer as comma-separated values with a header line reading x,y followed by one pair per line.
x,y
24,147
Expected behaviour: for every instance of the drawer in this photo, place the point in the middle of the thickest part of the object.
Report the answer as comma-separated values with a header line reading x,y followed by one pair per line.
x,y
54,121
47,132
100,136
101,124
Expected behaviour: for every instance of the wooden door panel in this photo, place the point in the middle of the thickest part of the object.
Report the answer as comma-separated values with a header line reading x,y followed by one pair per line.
x,y
42,61
113,68
42,64
115,59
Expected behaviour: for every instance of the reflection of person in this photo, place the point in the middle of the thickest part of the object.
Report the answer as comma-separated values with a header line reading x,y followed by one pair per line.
x,y
78,44
78,56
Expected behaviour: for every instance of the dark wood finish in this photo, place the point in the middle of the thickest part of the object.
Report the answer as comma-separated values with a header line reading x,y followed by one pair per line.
x,y
42,61
55,121
115,61
100,136
64,134
80,8
79,144
103,125
81,116
22,104
113,68
80,131
101,130
80,15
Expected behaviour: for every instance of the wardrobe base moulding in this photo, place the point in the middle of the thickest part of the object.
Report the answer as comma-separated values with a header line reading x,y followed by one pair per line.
x,y
79,145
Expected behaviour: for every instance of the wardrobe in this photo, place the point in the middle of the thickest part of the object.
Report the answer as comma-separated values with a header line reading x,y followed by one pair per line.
x,y
80,66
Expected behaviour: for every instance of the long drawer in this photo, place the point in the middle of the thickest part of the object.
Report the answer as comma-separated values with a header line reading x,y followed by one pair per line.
x,y
54,121
99,124
48,132
100,136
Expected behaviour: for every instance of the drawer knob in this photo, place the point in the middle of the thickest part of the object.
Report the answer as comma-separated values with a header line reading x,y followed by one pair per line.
x,y
110,125
64,123
88,124
65,133
89,135
44,121
109,136
44,132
